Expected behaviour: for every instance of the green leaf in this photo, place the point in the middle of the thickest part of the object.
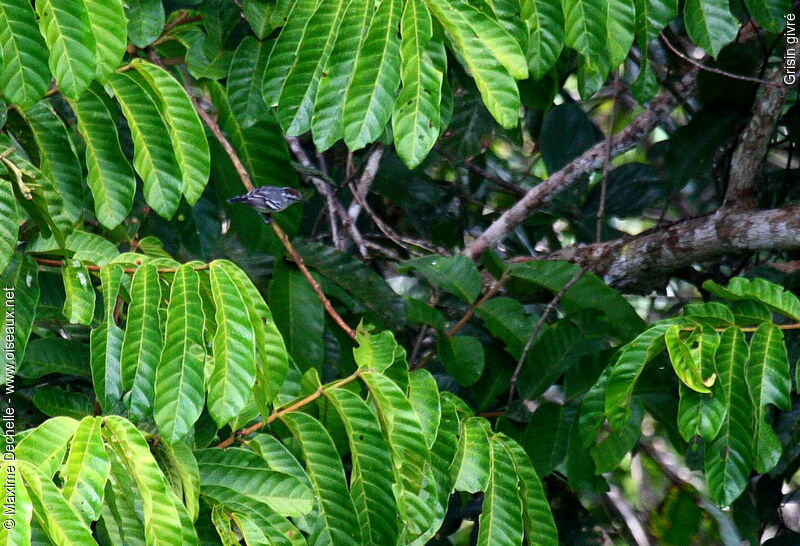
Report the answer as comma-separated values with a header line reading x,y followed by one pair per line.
x,y
21,274
483,42
55,355
359,280
142,344
457,275
727,459
179,392
463,358
630,363
296,103
711,313
298,314
327,121
608,454
184,475
46,445
620,27
370,97
110,176
686,368
536,515
545,19
57,157
710,24
401,427
702,414
166,521
67,31
748,313
772,295
145,21
286,49
470,466
24,77
59,519
53,401
416,122
500,521
273,363
185,129
324,468
770,14
110,282
86,470
153,158
234,356
651,17
122,521
107,18
375,351
423,393
9,225
589,292
80,296
244,80
587,32
106,346
278,456
370,484
244,472
20,532
769,382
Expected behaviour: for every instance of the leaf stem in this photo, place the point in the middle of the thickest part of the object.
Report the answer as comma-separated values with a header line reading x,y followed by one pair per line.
x,y
288,409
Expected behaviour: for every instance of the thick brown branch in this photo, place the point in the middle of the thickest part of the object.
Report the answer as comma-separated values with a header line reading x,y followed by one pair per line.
x,y
753,143
646,261
589,161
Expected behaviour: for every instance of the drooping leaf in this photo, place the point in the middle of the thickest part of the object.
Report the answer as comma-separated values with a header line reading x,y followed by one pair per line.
x,y
145,21
545,20
153,158
20,533
185,130
324,468
142,344
298,314
423,393
80,296
107,18
587,32
761,290
457,275
500,521
234,356
57,157
86,470
710,25
370,484
700,413
22,276
685,366
53,401
110,175
463,357
769,13
296,103
416,119
9,225
67,31
165,518
55,355
651,17
179,392
46,445
106,347
470,466
768,382
327,121
375,351
24,76
727,458
244,80
474,32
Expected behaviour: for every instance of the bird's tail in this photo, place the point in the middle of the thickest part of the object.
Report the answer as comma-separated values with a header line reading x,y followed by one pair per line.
x,y
238,199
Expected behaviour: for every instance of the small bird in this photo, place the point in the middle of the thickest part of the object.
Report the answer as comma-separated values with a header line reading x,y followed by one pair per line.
x,y
268,200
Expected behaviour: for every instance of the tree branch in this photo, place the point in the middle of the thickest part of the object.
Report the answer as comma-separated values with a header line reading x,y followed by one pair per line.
x,y
753,143
591,160
371,166
646,261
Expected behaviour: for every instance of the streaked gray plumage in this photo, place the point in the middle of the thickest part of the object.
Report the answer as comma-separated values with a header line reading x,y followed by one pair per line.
x,y
268,199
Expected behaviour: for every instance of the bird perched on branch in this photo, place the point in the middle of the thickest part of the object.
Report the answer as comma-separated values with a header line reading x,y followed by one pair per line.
x,y
268,200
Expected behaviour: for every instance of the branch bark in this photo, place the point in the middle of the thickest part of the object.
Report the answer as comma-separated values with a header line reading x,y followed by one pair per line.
x,y
753,143
646,261
371,166
591,160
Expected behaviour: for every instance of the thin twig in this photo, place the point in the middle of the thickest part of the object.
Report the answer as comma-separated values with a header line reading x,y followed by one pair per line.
x,y
361,188
537,328
711,69
312,281
244,176
601,208
289,409
90,267
509,187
